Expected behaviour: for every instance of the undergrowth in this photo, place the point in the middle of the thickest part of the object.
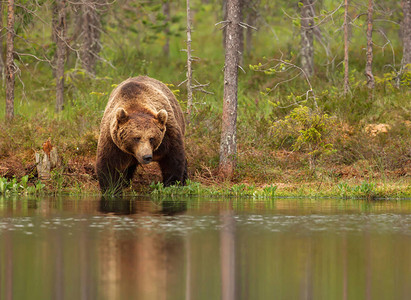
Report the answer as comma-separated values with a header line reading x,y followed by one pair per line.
x,y
20,186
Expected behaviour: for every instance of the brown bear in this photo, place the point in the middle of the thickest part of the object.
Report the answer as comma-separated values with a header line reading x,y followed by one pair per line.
x,y
142,122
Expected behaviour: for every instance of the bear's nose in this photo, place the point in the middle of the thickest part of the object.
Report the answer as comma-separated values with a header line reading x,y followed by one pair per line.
x,y
147,158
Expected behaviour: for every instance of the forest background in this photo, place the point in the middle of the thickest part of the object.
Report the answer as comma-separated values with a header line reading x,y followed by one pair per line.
x,y
309,123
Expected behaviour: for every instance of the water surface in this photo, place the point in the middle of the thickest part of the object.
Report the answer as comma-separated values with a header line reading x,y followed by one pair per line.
x,y
199,248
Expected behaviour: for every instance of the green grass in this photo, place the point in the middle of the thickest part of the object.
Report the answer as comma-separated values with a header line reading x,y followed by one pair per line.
x,y
342,190
20,187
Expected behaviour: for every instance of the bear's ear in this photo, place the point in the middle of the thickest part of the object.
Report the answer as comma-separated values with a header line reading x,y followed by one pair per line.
x,y
162,116
121,115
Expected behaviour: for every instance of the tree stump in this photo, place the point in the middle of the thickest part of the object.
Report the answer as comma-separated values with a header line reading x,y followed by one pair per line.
x,y
46,160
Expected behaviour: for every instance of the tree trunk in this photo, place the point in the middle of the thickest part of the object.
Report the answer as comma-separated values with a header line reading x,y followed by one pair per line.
x,y
228,144
406,34
189,68
368,66
91,27
166,12
59,33
346,82
1,42
241,29
307,37
10,67
252,21
224,4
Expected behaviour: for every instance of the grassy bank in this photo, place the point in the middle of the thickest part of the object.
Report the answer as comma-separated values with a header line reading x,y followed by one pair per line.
x,y
344,189
329,144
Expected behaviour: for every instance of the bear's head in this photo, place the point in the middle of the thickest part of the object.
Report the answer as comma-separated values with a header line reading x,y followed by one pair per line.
x,y
139,133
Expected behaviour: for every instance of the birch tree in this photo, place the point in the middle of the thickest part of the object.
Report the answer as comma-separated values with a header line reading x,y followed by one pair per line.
x,y
10,66
189,67
368,66
1,42
406,34
228,143
345,25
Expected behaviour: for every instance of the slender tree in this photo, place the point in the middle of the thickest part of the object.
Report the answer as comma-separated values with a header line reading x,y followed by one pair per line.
x,y
1,42
368,66
307,36
59,34
224,7
241,29
252,21
346,82
406,34
166,12
189,68
10,66
228,143
90,36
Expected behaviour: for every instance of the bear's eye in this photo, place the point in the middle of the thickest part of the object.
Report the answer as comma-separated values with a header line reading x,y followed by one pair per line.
x,y
152,140
137,139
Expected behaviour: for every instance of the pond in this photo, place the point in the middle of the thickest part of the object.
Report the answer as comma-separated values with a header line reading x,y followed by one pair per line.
x,y
204,248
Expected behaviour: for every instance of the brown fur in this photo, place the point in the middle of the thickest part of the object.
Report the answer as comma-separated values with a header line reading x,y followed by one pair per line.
x,y
142,122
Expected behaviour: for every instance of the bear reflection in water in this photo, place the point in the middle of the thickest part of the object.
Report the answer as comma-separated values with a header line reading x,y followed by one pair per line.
x,y
127,206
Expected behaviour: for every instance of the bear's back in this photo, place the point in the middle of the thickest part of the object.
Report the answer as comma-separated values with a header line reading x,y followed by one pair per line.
x,y
143,92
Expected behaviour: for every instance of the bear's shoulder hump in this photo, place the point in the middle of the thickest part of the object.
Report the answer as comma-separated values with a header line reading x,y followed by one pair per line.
x,y
132,89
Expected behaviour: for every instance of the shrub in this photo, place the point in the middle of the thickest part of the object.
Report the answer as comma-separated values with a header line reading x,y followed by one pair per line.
x,y
305,130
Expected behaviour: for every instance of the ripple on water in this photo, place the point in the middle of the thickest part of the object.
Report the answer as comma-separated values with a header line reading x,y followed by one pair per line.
x,y
379,223
183,224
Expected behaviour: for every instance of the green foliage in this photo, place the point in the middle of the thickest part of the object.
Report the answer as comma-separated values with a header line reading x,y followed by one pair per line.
x,y
191,188
305,130
297,22
22,187
393,79
243,190
278,68
24,14
195,188
148,21
269,191
364,190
